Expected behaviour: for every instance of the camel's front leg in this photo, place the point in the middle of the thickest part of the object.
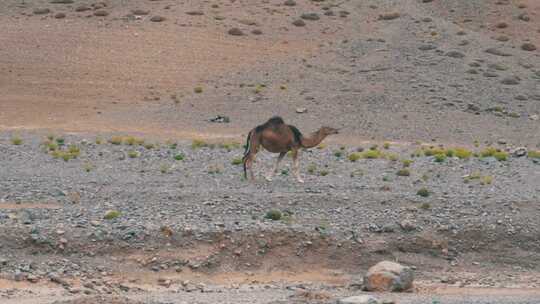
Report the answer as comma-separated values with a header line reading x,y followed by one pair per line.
x,y
296,166
276,167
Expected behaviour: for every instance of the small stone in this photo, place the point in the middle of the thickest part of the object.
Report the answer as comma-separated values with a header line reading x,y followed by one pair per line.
x,y
157,19
534,117
299,22
490,74
501,25
497,52
363,299
427,47
101,13
407,225
41,11
528,47
82,8
256,32
455,54
195,13
524,17
289,3
62,1
511,80
389,16
60,16
301,110
519,152
310,16
235,32
140,12
502,38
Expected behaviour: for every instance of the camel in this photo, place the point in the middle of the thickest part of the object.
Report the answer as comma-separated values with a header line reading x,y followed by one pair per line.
x,y
277,137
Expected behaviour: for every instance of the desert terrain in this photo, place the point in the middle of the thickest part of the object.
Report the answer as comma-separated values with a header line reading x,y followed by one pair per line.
x,y
122,125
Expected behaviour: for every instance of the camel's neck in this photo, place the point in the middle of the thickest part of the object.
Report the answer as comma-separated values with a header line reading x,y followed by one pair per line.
x,y
313,140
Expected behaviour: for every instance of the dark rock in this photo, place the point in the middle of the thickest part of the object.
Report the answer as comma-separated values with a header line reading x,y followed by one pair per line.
x,y
289,3
60,16
511,80
389,16
101,13
41,11
528,47
157,19
310,16
455,54
299,22
235,32
497,52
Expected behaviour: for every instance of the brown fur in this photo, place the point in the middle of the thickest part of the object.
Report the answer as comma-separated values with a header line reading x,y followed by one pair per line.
x,y
277,137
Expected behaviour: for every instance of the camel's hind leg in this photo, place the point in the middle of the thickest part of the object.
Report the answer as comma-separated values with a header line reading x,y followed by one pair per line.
x,y
276,167
296,166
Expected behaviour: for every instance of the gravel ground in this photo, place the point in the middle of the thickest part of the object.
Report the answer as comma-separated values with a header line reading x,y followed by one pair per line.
x,y
348,215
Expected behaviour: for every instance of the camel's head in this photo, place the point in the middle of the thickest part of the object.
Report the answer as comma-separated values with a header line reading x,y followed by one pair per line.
x,y
328,130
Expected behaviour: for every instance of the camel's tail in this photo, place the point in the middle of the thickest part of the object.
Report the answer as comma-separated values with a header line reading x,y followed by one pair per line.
x,y
246,152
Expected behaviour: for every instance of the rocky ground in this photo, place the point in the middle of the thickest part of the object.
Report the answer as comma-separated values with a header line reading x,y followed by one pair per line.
x,y
121,218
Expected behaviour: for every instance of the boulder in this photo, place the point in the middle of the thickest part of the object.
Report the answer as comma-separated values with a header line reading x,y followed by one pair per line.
x,y
388,276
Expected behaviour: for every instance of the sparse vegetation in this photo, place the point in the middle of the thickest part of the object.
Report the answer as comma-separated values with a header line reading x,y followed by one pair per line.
x,y
486,180
198,90
425,206
164,168
406,163
273,214
439,158
99,141
501,156
198,143
16,140
111,214
386,145
392,156
133,154
229,146
534,154
179,156
323,173
116,140
462,153
237,161
312,168
403,172
355,156
488,152
371,154
149,146
423,192
88,167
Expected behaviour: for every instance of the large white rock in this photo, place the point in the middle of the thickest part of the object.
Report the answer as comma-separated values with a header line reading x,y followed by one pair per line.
x,y
363,299
388,276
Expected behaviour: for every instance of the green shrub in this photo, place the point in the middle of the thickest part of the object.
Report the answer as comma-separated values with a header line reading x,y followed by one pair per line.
x,y
273,214
116,140
462,153
486,180
133,154
406,163
338,154
355,156
423,192
433,151
501,156
198,90
74,150
371,154
386,145
311,168
99,140
488,152
88,167
425,206
392,156
324,173
198,143
16,140
60,141
450,152
439,158
534,154
179,156
237,161
164,168
111,214
403,172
